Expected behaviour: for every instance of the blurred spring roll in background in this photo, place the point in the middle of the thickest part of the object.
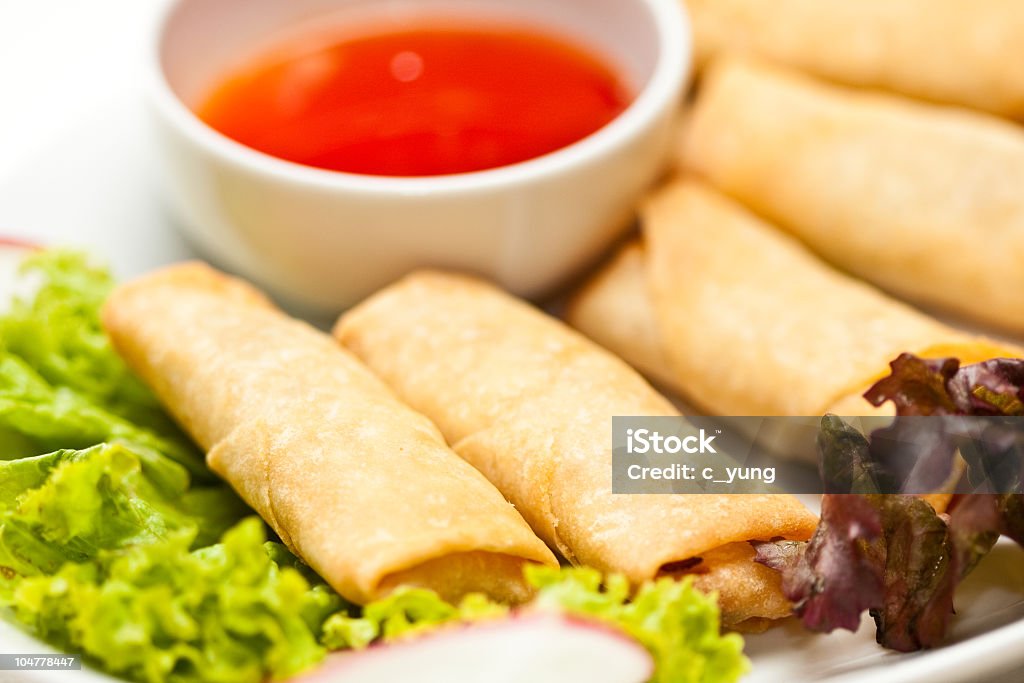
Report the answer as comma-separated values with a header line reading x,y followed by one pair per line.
x,y
965,52
529,403
360,486
741,319
923,201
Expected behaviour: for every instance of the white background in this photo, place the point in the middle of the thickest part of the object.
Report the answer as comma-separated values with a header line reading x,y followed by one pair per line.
x,y
74,162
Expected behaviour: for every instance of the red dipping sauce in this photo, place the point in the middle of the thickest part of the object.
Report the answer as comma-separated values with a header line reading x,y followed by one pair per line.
x,y
422,101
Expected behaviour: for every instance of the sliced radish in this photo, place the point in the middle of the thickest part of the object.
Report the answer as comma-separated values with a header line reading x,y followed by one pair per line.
x,y
536,648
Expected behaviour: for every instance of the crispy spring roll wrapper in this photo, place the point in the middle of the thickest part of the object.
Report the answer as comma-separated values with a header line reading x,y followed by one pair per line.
x,y
962,52
529,403
920,200
741,319
359,485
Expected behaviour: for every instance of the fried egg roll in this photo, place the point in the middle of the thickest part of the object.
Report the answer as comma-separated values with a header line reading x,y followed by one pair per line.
x,y
741,319
356,483
529,403
962,52
923,201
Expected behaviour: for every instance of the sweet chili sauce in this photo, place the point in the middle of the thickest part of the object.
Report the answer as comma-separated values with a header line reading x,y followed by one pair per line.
x,y
421,101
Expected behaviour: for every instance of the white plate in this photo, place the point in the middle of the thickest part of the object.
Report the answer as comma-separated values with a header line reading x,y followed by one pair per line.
x,y
83,178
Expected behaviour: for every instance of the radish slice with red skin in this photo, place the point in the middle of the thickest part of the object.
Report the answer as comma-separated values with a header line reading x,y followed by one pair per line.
x,y
534,648
16,243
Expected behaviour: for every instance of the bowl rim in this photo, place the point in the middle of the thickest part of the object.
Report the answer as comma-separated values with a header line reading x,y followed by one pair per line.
x,y
664,88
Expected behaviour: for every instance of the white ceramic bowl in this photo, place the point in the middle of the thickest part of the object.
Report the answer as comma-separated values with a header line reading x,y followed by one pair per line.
x,y
322,240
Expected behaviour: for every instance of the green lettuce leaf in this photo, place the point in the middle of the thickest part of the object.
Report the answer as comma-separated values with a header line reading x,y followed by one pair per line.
x,y
57,331
68,506
62,385
158,612
95,558
676,623
406,612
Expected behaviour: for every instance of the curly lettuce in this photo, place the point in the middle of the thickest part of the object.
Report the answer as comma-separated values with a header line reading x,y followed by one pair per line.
x,y
675,622
160,612
67,506
62,385
96,557
57,331
406,612
678,624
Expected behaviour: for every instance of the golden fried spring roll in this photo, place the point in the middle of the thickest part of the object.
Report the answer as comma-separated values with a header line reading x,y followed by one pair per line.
x,y
923,201
742,319
357,484
954,51
529,403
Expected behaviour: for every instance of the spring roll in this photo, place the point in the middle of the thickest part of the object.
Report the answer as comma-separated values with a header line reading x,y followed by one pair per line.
x,y
953,51
356,483
922,201
741,319
529,403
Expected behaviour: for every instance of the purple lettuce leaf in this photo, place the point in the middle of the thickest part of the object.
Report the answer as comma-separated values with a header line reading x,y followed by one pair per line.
x,y
917,453
995,454
920,454
883,554
917,386
837,575
846,462
893,555
975,523
919,578
994,390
